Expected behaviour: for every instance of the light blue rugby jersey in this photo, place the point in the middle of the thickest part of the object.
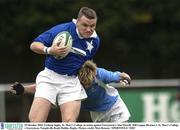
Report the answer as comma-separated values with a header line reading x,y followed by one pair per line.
x,y
101,98
71,64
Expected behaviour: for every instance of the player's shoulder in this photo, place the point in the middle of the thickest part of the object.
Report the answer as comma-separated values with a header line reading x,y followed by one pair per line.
x,y
96,41
95,36
62,26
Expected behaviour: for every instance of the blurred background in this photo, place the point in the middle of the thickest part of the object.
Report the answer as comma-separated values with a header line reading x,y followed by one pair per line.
x,y
141,38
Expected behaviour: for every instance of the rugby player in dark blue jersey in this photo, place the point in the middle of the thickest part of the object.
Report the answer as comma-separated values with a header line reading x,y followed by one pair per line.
x,y
59,78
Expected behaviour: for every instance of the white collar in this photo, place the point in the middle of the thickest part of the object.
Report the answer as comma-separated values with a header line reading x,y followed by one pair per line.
x,y
94,35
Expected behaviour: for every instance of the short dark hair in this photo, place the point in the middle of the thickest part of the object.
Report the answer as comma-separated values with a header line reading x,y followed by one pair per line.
x,y
87,12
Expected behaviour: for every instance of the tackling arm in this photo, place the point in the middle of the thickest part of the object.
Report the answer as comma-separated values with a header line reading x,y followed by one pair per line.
x,y
109,77
19,89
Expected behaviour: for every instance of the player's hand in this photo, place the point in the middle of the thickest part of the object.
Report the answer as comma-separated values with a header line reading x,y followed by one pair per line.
x,y
17,88
57,50
125,79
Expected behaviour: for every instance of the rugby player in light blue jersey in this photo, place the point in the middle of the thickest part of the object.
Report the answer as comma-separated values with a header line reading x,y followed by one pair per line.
x,y
104,101
59,78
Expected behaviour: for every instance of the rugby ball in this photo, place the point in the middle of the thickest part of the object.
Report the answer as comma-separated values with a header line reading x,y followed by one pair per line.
x,y
63,39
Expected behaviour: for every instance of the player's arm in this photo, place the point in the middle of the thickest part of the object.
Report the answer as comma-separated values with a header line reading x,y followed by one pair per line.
x,y
40,48
109,76
19,89
41,43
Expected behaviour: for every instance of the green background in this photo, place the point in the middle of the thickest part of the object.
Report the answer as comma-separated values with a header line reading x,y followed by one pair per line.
x,y
133,98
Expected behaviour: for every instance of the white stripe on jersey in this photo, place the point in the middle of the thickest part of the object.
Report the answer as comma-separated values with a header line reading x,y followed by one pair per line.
x,y
78,51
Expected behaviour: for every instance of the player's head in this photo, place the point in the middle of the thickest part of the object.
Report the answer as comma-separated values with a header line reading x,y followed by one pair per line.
x,y
86,22
87,73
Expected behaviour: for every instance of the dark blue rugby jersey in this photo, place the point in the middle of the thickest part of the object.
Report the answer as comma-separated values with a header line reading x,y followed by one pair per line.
x,y
71,64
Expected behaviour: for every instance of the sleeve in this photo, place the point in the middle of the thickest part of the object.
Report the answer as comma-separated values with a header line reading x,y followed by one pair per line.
x,y
46,38
108,76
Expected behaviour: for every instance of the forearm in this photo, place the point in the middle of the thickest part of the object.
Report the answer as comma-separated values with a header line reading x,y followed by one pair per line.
x,y
37,47
108,76
30,88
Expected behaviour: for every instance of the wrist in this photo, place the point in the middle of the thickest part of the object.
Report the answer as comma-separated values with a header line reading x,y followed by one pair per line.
x,y
19,88
120,76
46,50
